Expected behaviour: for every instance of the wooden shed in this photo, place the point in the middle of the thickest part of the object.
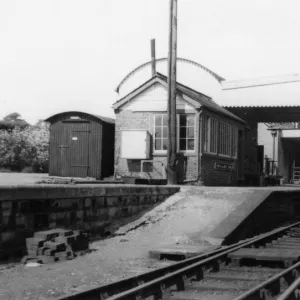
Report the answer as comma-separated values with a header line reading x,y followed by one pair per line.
x,y
81,145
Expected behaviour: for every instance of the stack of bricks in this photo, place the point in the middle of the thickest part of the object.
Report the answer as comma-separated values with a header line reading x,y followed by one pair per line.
x,y
56,245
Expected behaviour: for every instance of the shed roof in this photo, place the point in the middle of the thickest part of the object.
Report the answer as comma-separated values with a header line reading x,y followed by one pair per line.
x,y
199,98
101,118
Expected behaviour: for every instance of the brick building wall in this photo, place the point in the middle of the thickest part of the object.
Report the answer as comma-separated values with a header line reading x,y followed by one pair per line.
x,y
187,165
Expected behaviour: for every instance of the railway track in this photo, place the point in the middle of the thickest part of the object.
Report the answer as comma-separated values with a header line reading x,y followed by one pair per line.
x,y
263,267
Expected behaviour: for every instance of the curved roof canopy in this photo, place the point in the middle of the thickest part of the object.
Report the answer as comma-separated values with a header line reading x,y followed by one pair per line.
x,y
79,114
179,59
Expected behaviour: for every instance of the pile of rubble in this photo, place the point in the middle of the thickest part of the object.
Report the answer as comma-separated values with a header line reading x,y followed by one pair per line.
x,y
56,245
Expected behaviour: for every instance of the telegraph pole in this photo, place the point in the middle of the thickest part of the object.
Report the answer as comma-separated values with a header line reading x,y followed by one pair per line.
x,y
172,145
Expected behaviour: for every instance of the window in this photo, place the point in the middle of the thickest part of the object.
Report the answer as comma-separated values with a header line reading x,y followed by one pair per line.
x,y
234,142
205,133
219,137
213,145
225,139
210,134
186,132
160,132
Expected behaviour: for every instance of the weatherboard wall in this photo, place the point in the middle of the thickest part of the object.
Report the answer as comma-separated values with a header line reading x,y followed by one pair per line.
x,y
81,148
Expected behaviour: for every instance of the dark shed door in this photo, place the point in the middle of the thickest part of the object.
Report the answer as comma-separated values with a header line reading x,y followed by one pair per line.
x,y
75,149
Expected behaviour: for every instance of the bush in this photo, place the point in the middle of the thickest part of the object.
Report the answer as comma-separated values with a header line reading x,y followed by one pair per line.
x,y
25,147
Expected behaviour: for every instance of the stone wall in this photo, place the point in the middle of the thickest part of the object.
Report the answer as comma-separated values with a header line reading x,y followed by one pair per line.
x,y
274,209
24,210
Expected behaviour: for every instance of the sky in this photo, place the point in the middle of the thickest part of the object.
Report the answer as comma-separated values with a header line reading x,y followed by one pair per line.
x,y
63,55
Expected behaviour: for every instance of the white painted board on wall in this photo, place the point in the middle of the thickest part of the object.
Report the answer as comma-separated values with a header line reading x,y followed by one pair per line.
x,y
135,144
155,99
291,133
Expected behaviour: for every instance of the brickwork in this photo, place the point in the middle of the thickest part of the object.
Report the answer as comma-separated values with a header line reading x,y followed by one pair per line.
x,y
272,211
128,120
24,210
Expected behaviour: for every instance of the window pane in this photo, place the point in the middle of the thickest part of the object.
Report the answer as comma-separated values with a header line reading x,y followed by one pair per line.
x,y
165,144
190,132
165,132
190,120
191,144
158,120
182,120
157,144
157,132
182,144
165,120
182,133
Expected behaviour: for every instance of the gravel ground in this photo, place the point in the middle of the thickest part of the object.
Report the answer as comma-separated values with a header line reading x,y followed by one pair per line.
x,y
178,220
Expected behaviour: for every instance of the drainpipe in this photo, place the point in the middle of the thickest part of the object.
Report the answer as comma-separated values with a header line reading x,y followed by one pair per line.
x,y
274,134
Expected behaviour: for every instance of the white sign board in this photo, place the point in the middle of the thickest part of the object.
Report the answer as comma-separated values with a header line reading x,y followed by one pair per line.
x,y
135,144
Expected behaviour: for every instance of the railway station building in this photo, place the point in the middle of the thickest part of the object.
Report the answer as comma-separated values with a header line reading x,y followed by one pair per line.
x,y
265,113
209,137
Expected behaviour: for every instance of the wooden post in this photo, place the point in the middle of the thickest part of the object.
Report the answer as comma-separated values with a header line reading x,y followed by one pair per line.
x,y
172,145
153,62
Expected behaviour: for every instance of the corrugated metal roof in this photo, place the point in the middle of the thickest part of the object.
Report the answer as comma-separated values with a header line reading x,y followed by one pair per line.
x,y
104,119
274,94
262,106
261,81
204,100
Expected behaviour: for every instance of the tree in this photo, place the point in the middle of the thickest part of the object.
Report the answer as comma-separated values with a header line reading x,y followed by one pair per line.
x,y
11,121
23,147
12,117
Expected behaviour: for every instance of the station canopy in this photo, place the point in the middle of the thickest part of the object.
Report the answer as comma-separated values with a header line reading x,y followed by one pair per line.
x,y
266,99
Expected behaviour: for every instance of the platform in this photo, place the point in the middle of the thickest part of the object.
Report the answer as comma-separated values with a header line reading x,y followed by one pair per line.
x,y
218,216
262,210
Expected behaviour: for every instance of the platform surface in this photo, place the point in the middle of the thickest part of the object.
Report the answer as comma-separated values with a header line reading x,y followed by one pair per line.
x,y
254,199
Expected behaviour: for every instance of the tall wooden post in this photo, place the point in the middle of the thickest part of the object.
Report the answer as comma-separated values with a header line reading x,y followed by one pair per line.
x,y
153,61
172,145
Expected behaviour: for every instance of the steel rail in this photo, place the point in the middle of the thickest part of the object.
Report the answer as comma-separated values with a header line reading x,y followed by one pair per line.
x,y
154,282
271,287
131,282
293,292
179,278
125,284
